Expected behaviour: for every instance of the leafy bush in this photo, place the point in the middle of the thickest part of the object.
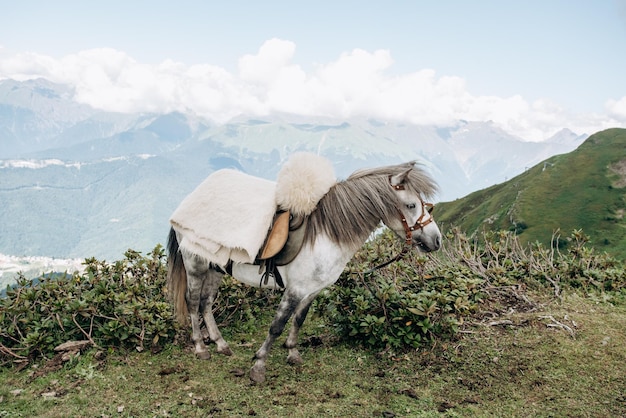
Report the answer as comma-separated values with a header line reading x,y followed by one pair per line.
x,y
499,258
417,300
239,306
119,305
112,305
423,298
404,305
589,270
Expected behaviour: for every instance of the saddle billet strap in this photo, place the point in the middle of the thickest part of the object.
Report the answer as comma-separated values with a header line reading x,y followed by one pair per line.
x,y
271,270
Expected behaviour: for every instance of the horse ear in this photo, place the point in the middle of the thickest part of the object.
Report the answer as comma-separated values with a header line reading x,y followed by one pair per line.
x,y
400,178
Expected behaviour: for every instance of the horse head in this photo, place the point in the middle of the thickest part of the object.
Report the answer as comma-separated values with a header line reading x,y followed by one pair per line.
x,y
414,221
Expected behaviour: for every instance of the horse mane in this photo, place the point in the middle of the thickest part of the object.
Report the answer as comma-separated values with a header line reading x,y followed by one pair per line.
x,y
354,207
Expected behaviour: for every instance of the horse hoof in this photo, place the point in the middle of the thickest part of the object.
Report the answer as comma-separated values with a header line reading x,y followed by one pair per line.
x,y
225,351
203,355
294,359
257,374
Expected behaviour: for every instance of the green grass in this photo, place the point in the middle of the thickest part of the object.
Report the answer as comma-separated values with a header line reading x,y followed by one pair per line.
x,y
519,369
579,190
528,369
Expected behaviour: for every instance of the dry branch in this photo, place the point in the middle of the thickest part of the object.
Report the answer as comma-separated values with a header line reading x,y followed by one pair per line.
x,y
557,324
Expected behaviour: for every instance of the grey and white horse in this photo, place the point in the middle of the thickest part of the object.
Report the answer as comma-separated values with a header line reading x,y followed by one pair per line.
x,y
340,224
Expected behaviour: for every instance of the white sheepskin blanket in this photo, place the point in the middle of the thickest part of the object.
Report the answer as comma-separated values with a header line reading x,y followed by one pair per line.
x,y
227,217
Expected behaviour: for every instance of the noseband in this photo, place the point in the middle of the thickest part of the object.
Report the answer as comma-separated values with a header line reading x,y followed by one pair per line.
x,y
420,223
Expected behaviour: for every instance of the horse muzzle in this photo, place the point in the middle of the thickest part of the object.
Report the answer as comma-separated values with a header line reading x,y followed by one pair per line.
x,y
428,244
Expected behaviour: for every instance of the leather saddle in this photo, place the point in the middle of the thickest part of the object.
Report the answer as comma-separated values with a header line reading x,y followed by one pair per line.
x,y
282,244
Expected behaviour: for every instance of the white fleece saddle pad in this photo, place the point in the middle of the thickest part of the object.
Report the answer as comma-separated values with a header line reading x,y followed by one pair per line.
x,y
226,217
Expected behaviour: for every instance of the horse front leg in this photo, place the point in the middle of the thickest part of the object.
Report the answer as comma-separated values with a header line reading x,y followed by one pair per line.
x,y
286,308
210,289
292,340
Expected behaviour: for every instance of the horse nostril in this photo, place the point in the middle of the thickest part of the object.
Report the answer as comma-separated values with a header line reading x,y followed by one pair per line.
x,y
438,242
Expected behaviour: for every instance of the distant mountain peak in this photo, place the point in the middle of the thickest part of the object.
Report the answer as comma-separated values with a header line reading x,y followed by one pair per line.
x,y
566,136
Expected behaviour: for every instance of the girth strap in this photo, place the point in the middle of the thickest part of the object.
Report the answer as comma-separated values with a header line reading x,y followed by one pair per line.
x,y
271,270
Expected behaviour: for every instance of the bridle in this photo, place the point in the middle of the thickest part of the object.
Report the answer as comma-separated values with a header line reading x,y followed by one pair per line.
x,y
408,230
420,223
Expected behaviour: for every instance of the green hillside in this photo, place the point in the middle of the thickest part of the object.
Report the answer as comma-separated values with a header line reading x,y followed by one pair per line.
x,y
585,189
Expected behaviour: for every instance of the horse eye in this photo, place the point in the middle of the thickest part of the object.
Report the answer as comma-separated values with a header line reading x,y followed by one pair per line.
x,y
411,206
429,207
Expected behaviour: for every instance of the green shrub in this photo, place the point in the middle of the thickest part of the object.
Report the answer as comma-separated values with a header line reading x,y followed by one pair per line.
x,y
403,305
239,306
589,270
112,305
120,305
414,301
424,298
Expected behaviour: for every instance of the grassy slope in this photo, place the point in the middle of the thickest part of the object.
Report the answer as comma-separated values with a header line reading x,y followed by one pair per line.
x,y
522,369
570,191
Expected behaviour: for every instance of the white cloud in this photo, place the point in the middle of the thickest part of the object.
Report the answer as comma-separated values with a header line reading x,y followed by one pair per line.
x,y
356,84
617,108
266,66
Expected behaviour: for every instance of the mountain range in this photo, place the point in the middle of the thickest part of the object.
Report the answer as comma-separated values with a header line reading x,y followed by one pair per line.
x,y
80,182
581,190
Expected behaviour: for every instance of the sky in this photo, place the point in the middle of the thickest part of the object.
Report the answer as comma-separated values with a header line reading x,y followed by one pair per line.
x,y
532,67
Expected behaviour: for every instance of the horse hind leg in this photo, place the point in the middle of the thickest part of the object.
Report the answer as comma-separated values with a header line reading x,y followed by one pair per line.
x,y
210,289
197,269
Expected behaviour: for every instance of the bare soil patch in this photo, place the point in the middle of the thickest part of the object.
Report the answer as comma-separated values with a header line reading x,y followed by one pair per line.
x,y
619,168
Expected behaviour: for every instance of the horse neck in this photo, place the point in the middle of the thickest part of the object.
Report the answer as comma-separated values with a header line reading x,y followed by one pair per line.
x,y
347,215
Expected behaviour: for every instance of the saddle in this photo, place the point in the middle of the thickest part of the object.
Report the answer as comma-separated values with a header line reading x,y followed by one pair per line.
x,y
282,244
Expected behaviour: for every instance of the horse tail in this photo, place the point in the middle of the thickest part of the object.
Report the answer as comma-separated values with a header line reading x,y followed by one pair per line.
x,y
176,279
